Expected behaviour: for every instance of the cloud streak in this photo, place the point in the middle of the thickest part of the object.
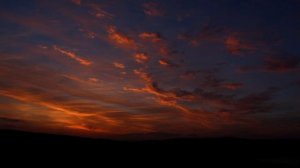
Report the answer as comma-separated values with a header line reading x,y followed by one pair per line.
x,y
72,55
120,39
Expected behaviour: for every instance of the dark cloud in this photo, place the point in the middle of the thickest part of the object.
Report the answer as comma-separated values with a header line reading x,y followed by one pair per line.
x,y
257,102
10,120
189,74
280,64
207,33
236,46
232,86
153,9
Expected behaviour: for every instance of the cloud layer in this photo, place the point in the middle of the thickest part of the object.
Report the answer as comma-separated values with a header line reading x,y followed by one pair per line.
x,y
113,69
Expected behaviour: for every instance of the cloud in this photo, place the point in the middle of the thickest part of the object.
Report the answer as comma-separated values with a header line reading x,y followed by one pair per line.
x,y
209,108
153,37
45,82
77,2
94,80
119,65
256,102
153,9
164,97
236,46
99,12
160,44
141,58
120,39
61,100
72,55
280,64
167,63
232,86
207,33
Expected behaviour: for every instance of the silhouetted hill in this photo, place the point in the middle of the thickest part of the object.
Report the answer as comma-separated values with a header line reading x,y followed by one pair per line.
x,y
212,151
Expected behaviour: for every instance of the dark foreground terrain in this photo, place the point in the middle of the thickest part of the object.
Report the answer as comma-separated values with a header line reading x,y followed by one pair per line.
x,y
175,152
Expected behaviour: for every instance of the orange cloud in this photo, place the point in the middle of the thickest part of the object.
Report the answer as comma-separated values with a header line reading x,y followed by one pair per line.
x,y
163,62
72,55
166,63
166,98
153,37
120,39
141,58
119,65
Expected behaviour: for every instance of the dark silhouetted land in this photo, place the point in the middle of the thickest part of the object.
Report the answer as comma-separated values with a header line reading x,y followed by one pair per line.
x,y
187,152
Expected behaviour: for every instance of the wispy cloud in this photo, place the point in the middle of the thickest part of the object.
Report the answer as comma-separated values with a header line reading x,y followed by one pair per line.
x,y
72,55
166,98
153,9
99,12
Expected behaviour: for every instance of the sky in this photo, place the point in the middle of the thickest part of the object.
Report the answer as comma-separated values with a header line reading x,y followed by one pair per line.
x,y
172,68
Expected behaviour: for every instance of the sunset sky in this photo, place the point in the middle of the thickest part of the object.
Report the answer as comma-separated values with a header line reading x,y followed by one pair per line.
x,y
172,68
